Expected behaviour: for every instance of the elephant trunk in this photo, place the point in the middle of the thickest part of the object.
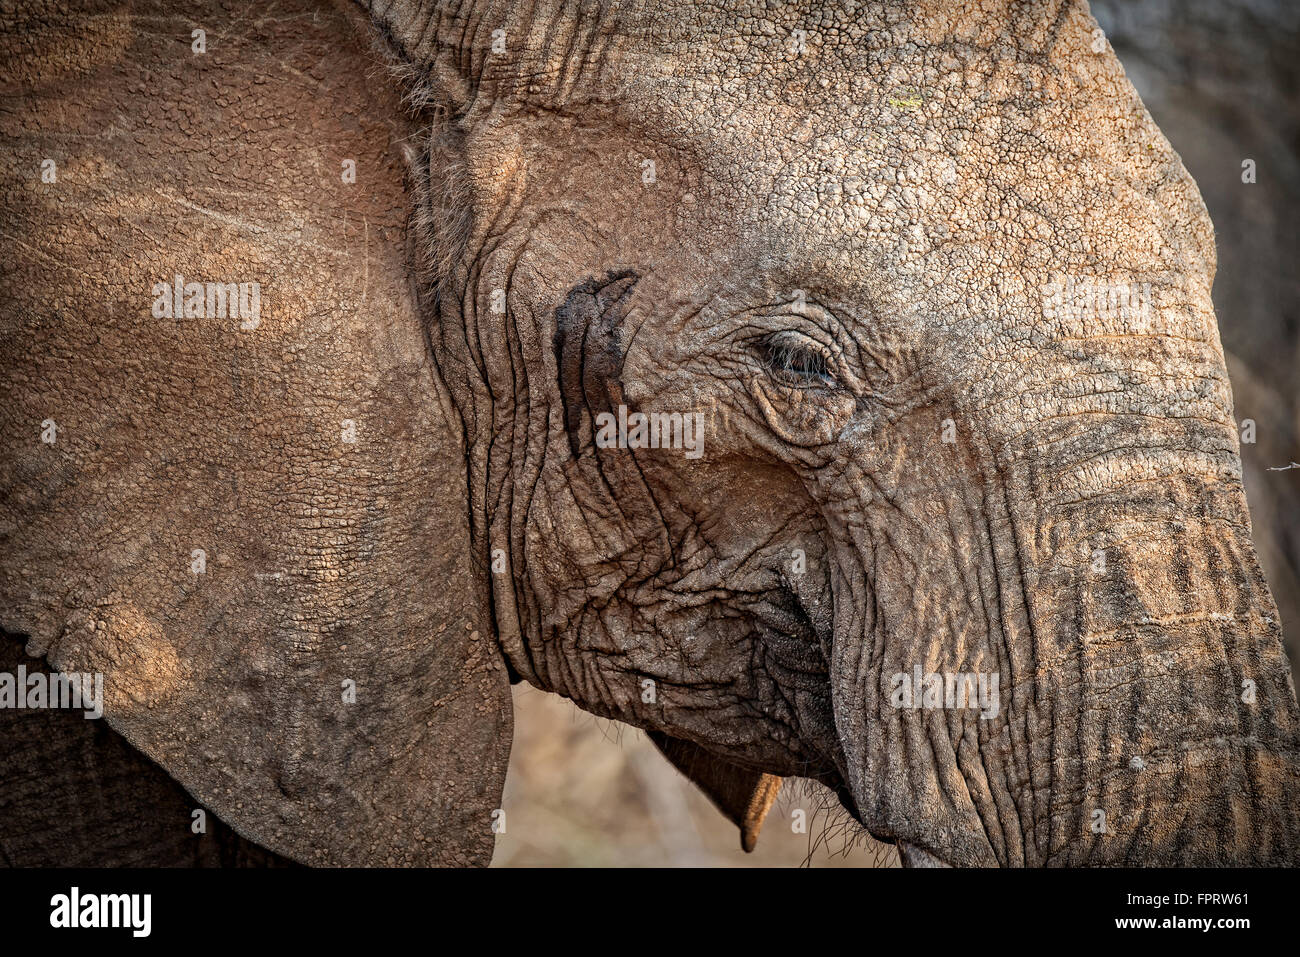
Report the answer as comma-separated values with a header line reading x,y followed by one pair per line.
x,y
1165,713
1070,659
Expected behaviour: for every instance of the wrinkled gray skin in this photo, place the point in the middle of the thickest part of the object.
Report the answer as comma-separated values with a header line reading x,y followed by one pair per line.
x,y
840,260
1217,76
922,234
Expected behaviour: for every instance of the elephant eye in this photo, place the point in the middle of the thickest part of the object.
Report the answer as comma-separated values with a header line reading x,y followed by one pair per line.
x,y
798,361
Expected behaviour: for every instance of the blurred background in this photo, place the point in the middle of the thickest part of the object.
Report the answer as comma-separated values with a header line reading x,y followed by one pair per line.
x,y
1222,79
584,791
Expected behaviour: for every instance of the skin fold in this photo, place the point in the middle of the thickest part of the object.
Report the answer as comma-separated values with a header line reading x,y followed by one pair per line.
x,y
834,235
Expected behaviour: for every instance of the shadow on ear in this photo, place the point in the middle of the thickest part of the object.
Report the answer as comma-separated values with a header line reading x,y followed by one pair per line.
x,y
254,526
76,794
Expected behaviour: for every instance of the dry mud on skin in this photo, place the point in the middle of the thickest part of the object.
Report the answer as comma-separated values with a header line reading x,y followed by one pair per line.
x,y
401,482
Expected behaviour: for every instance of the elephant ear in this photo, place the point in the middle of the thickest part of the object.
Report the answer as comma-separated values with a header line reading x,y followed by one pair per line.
x,y
743,796
254,526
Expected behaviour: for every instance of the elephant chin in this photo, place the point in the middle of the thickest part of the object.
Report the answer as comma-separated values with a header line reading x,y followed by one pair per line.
x,y
912,856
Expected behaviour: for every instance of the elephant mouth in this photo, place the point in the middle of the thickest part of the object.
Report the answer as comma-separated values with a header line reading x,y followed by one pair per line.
x,y
791,633
910,855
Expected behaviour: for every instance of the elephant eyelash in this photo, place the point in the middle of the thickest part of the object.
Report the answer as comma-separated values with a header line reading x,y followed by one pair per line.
x,y
797,361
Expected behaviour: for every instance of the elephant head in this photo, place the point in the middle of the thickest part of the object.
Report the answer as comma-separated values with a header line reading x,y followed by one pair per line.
x,y
830,392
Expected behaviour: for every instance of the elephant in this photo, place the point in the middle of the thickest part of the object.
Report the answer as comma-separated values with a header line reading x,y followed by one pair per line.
x,y
832,391
1211,108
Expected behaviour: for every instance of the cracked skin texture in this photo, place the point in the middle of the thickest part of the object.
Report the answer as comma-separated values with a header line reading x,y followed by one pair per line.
x,y
917,175
887,190
325,560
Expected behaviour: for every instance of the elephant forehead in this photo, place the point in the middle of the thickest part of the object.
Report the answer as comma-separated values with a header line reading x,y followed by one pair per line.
x,y
895,140
921,160
884,130
944,156
899,191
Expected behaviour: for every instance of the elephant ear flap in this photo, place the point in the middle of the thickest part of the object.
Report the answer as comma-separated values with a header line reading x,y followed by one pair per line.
x,y
742,795
233,484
